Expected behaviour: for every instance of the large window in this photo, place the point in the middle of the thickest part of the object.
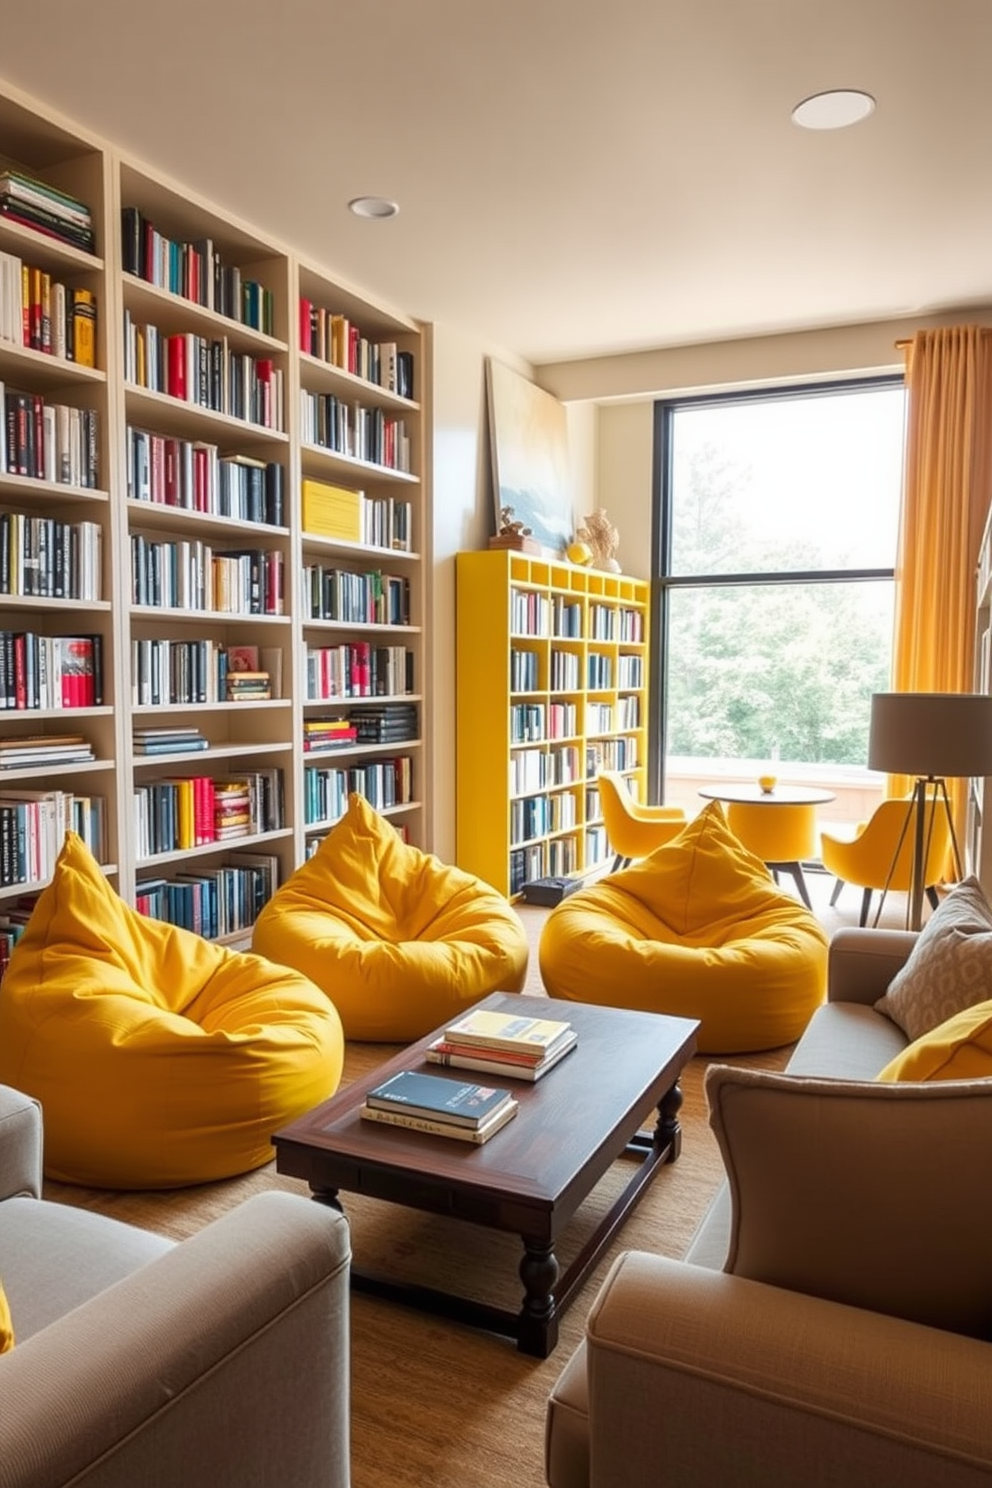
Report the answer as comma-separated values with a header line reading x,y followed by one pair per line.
x,y
775,536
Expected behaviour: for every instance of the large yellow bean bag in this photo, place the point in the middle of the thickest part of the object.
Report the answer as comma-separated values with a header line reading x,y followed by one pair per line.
x,y
400,941
159,1058
697,929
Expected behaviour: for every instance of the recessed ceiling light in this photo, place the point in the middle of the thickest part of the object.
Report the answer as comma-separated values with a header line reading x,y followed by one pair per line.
x,y
373,206
834,110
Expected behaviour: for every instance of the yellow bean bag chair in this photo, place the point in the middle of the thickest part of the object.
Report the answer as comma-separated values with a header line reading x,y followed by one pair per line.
x,y
697,929
398,940
160,1058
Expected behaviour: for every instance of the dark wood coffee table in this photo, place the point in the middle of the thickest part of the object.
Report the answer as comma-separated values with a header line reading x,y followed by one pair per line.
x,y
531,1177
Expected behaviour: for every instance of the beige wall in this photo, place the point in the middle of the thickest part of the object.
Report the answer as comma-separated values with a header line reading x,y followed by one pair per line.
x,y
464,518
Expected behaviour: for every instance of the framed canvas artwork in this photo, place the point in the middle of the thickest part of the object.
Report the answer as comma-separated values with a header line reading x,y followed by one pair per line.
x,y
529,439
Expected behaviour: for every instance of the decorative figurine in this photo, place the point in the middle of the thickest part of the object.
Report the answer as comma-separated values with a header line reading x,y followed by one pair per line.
x,y
599,533
510,528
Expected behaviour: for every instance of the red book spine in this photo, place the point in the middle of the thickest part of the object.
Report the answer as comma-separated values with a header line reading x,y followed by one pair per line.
x,y
200,480
20,672
306,312
38,413
176,366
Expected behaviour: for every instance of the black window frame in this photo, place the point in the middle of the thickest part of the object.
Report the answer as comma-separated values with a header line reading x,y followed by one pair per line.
x,y
663,582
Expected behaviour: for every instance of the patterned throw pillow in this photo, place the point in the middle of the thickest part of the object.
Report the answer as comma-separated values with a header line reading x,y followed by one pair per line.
x,y
950,966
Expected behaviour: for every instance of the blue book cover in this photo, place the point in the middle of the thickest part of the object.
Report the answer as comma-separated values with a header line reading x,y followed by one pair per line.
x,y
460,1102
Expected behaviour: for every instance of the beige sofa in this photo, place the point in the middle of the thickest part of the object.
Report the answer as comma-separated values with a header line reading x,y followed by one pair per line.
x,y
874,1197
221,1361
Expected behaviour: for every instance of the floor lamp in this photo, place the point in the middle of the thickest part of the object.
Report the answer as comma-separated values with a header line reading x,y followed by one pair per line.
x,y
934,736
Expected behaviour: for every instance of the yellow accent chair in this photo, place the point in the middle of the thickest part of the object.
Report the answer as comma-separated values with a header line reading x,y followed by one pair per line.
x,y
400,941
698,929
160,1058
879,854
633,830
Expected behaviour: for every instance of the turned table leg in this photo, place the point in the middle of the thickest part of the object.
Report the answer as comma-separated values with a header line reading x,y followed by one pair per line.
x,y
538,1321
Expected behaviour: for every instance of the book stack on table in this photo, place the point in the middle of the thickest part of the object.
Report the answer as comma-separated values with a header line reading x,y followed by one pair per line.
x,y
503,1044
444,1108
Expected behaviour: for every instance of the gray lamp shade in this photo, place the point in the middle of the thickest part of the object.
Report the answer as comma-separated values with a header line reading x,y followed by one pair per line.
x,y
946,734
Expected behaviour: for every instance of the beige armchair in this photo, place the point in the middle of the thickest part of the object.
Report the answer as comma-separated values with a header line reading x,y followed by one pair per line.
x,y
220,1361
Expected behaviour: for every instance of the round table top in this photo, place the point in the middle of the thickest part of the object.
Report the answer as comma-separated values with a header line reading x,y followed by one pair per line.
x,y
753,795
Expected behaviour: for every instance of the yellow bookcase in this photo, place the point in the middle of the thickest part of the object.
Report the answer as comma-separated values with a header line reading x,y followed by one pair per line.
x,y
551,676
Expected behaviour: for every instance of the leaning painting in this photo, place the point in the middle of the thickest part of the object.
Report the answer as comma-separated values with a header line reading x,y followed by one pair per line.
x,y
529,439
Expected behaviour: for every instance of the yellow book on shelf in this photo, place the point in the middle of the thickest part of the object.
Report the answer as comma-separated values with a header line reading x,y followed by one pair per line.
x,y
332,511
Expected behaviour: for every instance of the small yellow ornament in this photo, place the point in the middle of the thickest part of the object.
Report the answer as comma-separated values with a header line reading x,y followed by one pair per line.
x,y
579,552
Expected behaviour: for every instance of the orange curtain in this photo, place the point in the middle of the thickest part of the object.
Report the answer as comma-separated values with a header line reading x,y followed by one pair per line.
x,y
946,494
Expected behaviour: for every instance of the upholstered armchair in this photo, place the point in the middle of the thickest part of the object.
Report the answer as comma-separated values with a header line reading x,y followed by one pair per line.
x,y
221,1361
633,830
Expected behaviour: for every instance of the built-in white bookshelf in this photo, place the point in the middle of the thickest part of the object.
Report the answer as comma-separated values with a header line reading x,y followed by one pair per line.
x,y
207,406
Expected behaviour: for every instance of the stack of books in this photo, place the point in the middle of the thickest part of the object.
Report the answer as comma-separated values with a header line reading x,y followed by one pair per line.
x,y
178,740
327,733
387,723
55,213
445,1108
245,686
504,1044
28,751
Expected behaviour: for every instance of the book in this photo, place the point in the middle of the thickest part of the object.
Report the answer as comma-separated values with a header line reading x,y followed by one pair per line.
x,y
477,1134
458,1102
490,1030
243,659
510,1066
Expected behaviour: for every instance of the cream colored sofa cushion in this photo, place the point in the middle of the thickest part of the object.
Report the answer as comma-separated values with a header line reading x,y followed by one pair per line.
x,y
950,967
860,1192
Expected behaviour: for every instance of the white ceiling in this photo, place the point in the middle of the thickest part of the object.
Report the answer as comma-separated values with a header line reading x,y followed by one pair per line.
x,y
574,178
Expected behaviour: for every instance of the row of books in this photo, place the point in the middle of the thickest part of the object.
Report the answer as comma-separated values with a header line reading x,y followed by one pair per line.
x,y
518,1048
385,783
333,338
48,441
205,372
34,203
558,857
44,314
352,429
535,816
215,901
358,669
43,557
535,769
189,574
195,476
169,671
535,723
195,270
611,754
45,671
356,598
175,814
534,614
33,824
351,516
